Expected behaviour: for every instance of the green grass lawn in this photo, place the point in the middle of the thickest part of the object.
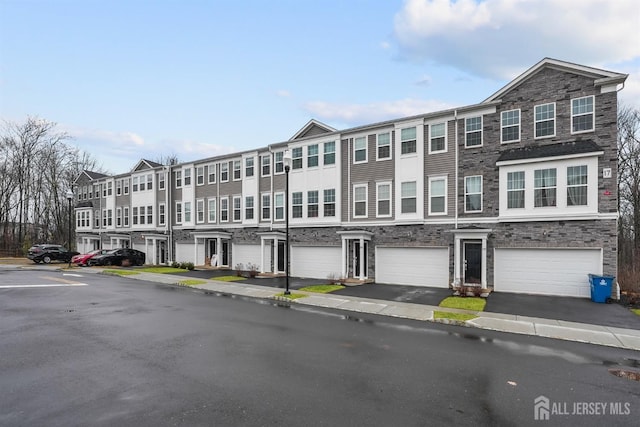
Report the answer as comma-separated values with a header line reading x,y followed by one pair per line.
x,y
322,289
162,270
120,272
636,311
228,278
464,303
192,282
292,295
463,317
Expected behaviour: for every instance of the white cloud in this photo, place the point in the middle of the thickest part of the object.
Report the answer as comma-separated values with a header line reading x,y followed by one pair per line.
x,y
425,80
283,93
501,38
356,114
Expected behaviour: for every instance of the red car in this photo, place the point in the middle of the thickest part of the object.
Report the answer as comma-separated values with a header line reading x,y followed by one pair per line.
x,y
82,259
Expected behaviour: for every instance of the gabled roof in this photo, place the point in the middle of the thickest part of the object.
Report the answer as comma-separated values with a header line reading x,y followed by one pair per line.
x,y
551,150
144,164
601,76
312,128
91,175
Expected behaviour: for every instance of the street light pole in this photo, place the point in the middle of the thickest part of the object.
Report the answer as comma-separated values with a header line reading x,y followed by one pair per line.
x,y
287,166
70,199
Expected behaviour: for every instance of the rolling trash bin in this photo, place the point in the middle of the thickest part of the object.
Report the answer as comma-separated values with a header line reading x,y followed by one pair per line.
x,y
600,287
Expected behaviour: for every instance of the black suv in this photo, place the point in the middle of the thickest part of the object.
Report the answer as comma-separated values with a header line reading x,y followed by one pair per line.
x,y
122,256
47,253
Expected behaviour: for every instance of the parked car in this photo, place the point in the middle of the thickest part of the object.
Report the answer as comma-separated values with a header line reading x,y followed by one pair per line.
x,y
82,259
49,252
122,256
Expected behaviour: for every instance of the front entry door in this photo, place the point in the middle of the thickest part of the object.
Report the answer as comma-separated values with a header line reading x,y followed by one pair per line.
x,y
225,253
357,260
281,256
473,262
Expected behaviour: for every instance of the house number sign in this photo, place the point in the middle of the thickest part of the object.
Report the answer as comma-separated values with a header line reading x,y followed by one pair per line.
x,y
606,173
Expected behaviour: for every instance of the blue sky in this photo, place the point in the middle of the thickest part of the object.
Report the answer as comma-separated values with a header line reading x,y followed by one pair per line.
x,y
144,79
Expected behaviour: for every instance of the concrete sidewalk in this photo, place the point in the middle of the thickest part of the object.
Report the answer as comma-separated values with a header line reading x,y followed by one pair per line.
x,y
548,328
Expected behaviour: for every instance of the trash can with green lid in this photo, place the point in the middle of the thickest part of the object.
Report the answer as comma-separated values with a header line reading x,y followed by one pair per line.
x,y
600,287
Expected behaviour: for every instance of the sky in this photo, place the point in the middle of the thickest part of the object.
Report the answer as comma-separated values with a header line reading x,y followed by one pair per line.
x,y
133,79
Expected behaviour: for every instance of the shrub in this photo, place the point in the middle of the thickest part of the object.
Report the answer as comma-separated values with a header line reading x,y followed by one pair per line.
x,y
175,264
629,278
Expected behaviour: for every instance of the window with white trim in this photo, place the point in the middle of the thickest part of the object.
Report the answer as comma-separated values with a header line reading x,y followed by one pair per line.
x,y
329,153
473,132
278,162
545,120
187,176
200,210
437,138
266,207
224,172
125,216
149,214
237,208
178,177
118,188
437,196
278,201
224,209
312,204
360,201
473,193
109,188
265,162
515,190
161,180
134,187
329,199
408,197
360,149
211,210
577,185
296,204
143,214
544,187
408,140
96,217
178,213
510,126
582,114
296,158
118,217
162,214
150,182
237,170
200,175
143,183
383,142
135,215
211,173
248,167
312,155
248,207
383,199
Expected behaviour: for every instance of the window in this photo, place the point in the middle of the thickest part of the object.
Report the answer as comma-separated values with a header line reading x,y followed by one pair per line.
x,y
118,217
142,214
437,196
118,188
237,208
384,146
515,190
187,211
96,189
178,175
212,210
224,172
296,204
224,209
143,181
296,156
97,218
162,215
248,207
104,217
383,199
437,138
408,140
109,217
582,114
279,206
211,173
187,176
360,201
266,207
278,162
248,167
125,216
161,180
510,126
329,153
544,187
473,131
178,213
135,184
577,185
312,156
237,170
329,202
200,210
200,175
150,182
149,214
312,204
545,120
135,215
104,190
408,199
360,149
473,193
126,186
266,165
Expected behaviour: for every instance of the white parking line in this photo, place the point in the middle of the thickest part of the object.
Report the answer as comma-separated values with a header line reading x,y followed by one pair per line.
x,y
52,285
72,274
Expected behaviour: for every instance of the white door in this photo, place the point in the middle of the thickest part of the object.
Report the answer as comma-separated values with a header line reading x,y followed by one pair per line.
x,y
317,262
546,271
413,266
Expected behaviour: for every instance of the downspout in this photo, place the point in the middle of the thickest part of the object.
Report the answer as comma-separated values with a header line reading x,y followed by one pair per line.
x,y
455,118
168,210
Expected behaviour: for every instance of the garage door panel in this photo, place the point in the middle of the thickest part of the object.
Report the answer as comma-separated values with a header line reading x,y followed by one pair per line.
x,y
413,266
246,254
546,271
316,262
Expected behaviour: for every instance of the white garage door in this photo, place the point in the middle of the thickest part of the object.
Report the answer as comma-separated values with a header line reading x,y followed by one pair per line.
x,y
184,252
316,262
247,254
413,266
546,271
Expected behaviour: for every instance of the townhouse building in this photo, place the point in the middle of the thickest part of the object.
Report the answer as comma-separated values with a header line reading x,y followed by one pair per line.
x,y
517,193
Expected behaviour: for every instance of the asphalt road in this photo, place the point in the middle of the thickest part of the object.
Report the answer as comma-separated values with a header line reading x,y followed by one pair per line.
x,y
124,352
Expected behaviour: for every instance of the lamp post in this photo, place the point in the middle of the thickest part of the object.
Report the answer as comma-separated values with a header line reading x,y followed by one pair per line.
x,y
70,199
287,166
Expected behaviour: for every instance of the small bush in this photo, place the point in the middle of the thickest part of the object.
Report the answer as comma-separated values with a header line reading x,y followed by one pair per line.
x,y
629,279
175,264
